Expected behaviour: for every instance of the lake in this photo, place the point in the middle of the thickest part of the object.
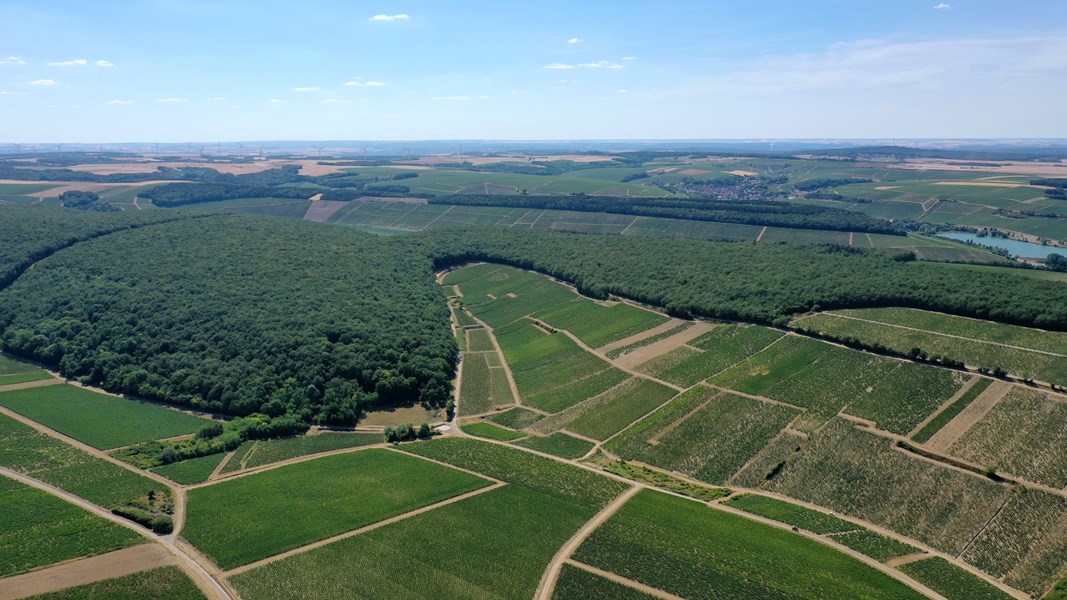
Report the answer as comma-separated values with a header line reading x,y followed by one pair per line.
x,y
1015,247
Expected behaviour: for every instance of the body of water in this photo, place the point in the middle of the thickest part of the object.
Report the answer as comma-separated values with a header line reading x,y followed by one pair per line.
x,y
1015,247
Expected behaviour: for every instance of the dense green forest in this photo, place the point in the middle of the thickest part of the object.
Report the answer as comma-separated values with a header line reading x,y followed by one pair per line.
x,y
30,233
753,281
237,314
780,214
170,195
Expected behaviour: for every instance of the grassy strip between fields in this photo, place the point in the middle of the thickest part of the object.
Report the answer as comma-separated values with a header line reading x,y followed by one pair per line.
x,y
250,518
950,412
492,432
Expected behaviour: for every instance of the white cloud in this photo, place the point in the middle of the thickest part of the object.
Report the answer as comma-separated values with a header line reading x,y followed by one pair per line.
x,y
104,63
171,100
622,91
78,62
600,64
277,101
374,84
11,60
42,82
218,98
574,40
7,93
307,90
629,58
120,102
458,98
398,17
334,101
942,5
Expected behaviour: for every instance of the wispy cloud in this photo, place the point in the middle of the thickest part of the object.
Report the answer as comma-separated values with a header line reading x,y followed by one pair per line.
x,y
942,6
104,63
629,58
574,40
78,62
374,84
277,101
622,91
600,64
307,89
7,93
44,82
334,101
218,98
11,60
458,98
171,100
120,102
397,17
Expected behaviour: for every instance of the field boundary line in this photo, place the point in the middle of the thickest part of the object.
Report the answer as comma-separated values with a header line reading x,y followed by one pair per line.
x,y
86,570
551,573
427,226
207,584
970,383
500,353
222,465
949,335
361,530
764,399
283,463
761,232
967,418
630,583
640,336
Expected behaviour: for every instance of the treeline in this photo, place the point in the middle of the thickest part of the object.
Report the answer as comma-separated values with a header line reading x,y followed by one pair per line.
x,y
828,182
778,214
238,315
763,283
85,201
170,195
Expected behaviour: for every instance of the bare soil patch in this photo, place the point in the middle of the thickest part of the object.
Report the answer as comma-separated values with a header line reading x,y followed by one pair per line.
x,y
647,353
693,172
637,337
981,184
743,173
120,563
321,210
974,412
416,415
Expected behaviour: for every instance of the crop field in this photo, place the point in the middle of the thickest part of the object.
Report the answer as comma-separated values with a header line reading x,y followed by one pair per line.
x,y
643,474
551,371
950,412
515,418
605,415
689,550
559,444
100,420
791,514
766,463
634,441
524,469
483,385
1026,543
38,529
897,395
235,463
860,474
579,584
194,470
490,431
951,581
22,189
722,348
165,582
505,294
478,340
877,546
266,452
1023,434
596,324
41,457
647,341
291,506
13,371
497,546
1021,351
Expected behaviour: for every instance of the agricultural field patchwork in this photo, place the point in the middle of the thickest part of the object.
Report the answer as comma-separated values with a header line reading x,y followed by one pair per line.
x,y
1023,434
1021,351
165,582
578,584
13,371
194,470
100,420
710,353
266,452
47,459
951,581
483,387
490,431
597,324
951,411
294,505
693,551
604,415
38,529
559,444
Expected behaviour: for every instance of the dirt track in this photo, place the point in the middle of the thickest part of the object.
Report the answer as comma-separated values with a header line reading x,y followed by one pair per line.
x,y
87,570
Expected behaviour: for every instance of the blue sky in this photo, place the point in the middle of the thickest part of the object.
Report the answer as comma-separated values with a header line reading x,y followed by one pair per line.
x,y
179,70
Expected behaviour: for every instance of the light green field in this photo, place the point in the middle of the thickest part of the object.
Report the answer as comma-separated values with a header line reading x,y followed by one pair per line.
x,y
100,420
490,431
951,581
607,414
596,324
13,371
38,529
288,507
41,457
194,470
559,444
165,582
266,452
687,549
579,584
709,354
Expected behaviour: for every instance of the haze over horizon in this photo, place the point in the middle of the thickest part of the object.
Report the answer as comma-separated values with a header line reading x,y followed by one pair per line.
x,y
174,70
